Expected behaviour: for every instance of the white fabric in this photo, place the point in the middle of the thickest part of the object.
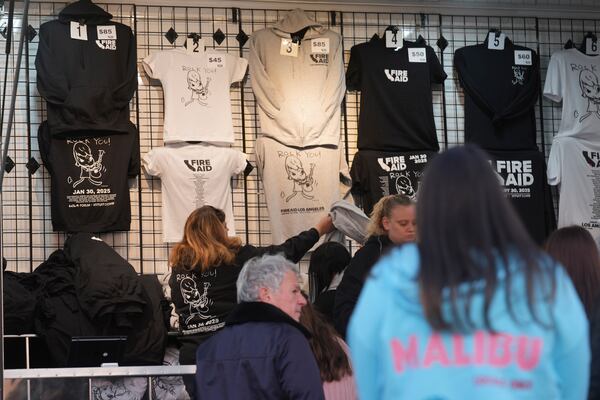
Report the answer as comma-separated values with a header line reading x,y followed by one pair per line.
x,y
574,164
574,79
300,184
193,176
196,91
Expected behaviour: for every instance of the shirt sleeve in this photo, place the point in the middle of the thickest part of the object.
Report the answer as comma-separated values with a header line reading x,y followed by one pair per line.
x,y
238,162
44,141
151,162
354,72
237,71
553,89
134,160
436,71
553,171
571,356
267,95
52,82
125,89
155,64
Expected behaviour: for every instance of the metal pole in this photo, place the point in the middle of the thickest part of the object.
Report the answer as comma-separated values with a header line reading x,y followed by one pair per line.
x,y
11,115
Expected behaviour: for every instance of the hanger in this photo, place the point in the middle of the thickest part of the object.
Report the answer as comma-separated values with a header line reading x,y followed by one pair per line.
x,y
497,32
569,44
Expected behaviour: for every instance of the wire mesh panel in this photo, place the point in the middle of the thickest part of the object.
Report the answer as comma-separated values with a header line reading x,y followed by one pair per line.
x,y
28,237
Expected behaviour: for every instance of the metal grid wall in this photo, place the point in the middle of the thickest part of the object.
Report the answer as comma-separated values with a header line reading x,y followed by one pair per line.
x,y
28,237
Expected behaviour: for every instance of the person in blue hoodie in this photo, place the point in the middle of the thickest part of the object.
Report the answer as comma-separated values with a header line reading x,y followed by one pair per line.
x,y
475,310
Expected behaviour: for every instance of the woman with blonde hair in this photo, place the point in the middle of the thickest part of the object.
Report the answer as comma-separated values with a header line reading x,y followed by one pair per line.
x,y
393,222
206,264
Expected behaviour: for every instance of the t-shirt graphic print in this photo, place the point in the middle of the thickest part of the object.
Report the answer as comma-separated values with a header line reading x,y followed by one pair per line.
x,y
90,192
196,93
193,176
574,79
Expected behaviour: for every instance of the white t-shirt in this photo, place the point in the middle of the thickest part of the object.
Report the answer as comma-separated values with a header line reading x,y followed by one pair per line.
x,y
300,184
196,90
574,79
574,163
193,176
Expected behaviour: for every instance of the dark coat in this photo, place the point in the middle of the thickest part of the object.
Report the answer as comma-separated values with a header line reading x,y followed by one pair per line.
x,y
355,274
261,353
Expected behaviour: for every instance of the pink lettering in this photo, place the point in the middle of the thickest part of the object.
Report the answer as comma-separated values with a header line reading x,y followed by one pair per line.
x,y
460,358
528,352
435,352
479,347
500,342
403,356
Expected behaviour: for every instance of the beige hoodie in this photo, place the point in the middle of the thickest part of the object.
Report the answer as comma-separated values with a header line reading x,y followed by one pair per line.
x,y
299,97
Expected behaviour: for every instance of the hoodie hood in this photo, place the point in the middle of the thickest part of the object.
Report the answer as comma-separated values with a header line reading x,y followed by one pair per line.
x,y
84,11
296,21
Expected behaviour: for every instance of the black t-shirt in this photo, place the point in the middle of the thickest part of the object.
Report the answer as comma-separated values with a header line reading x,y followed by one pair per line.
x,y
380,173
500,95
396,111
523,177
89,187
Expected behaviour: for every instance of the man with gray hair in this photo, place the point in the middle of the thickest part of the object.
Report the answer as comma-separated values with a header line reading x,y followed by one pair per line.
x,y
263,352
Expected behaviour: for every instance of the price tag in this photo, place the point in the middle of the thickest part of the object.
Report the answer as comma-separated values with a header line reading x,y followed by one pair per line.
x,y
417,55
288,48
216,60
496,42
194,47
591,47
78,31
106,32
523,57
319,46
394,40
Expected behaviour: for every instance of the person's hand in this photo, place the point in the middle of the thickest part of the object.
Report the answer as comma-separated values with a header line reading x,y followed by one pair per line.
x,y
325,225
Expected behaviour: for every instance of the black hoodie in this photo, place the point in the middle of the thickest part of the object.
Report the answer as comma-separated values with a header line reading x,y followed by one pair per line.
x,y
87,83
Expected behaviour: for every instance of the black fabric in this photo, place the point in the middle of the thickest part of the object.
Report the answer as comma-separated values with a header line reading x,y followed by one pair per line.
x,y
354,278
87,83
396,111
19,302
58,314
203,300
147,340
324,303
89,178
594,389
376,174
108,287
523,177
499,96
262,312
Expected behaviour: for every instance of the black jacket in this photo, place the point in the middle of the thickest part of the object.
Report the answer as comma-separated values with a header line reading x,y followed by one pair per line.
x,y
261,354
203,300
87,83
355,274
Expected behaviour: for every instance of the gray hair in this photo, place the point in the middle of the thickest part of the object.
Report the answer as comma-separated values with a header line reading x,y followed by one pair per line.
x,y
262,272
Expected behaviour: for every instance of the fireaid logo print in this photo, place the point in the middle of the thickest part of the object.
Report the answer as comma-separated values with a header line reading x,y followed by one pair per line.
x,y
320,59
396,75
198,165
106,44
592,158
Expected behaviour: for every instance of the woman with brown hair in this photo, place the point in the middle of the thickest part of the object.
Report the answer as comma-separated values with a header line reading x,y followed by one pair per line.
x,y
475,310
206,264
393,222
332,355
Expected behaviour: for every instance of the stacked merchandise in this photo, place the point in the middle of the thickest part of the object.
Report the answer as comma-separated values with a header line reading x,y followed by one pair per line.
x,y
501,83
396,133
86,72
197,163
574,161
297,75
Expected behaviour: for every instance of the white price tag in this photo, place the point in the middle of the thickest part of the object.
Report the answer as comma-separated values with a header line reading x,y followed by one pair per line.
x,y
319,46
194,47
591,46
78,31
288,48
523,57
394,40
496,42
417,55
216,60
106,32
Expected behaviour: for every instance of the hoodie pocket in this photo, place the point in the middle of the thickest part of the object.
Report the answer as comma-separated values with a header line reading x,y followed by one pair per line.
x,y
88,103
